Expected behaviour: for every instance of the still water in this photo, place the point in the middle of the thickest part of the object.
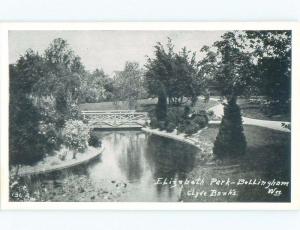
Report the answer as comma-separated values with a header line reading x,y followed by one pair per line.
x,y
127,170
139,159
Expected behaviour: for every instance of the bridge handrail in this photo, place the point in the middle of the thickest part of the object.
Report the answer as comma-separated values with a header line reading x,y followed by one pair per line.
x,y
115,118
111,112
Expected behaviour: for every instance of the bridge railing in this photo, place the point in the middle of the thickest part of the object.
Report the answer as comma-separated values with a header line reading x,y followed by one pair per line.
x,y
115,113
116,118
111,111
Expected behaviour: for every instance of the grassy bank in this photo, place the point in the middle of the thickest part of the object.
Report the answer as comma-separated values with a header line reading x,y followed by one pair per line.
x,y
143,105
253,110
267,158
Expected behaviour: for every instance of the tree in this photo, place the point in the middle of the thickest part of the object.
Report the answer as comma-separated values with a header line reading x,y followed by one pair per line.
x,y
233,70
44,91
272,50
96,87
63,79
276,84
161,107
26,143
129,84
178,72
229,66
262,63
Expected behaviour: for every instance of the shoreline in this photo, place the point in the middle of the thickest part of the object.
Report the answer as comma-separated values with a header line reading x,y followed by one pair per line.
x,y
173,135
64,165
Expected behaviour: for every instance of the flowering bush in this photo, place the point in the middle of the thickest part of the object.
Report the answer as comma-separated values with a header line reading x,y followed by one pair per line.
x,y
76,135
21,190
74,112
18,191
50,134
62,155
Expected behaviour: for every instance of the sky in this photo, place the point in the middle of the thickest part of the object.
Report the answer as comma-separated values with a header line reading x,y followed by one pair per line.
x,y
108,50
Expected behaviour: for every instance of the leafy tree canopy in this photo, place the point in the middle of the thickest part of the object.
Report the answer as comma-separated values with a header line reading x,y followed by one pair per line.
x,y
228,65
178,72
250,63
129,84
96,87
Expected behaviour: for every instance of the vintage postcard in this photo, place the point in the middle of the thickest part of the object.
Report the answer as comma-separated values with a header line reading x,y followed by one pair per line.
x,y
149,116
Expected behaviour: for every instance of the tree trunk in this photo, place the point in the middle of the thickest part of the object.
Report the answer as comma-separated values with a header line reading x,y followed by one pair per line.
x,y
74,154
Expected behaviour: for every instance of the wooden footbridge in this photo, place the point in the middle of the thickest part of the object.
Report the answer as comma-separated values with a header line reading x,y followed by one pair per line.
x,y
116,118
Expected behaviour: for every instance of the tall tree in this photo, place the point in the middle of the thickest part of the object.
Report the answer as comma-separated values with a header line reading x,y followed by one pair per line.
x,y
129,84
161,107
178,72
96,87
26,143
272,50
229,66
63,79
44,91
233,71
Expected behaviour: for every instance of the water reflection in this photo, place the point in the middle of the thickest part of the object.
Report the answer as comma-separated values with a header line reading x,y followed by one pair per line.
x,y
131,161
139,159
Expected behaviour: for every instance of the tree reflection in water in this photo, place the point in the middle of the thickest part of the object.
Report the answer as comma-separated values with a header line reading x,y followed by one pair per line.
x,y
137,158
169,159
131,160
127,170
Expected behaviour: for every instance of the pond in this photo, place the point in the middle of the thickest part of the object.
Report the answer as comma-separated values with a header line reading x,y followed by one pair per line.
x,y
127,170
140,159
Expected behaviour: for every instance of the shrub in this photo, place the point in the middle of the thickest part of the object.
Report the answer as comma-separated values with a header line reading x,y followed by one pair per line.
x,y
162,125
76,135
180,128
186,111
18,190
201,112
170,127
154,123
94,140
172,117
52,136
74,112
274,107
200,120
191,128
176,115
62,154
230,140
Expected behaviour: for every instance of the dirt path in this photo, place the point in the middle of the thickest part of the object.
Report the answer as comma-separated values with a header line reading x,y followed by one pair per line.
x,y
276,125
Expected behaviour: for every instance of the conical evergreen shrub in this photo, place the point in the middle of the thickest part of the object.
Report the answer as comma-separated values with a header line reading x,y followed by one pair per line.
x,y
230,140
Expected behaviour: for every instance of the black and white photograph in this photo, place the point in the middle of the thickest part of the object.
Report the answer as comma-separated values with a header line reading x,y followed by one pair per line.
x,y
182,116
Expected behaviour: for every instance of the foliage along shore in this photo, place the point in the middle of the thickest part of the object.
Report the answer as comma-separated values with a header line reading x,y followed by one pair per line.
x,y
53,163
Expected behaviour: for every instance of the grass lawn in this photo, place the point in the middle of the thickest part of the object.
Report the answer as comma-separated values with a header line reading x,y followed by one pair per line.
x,y
253,111
121,105
143,105
267,158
